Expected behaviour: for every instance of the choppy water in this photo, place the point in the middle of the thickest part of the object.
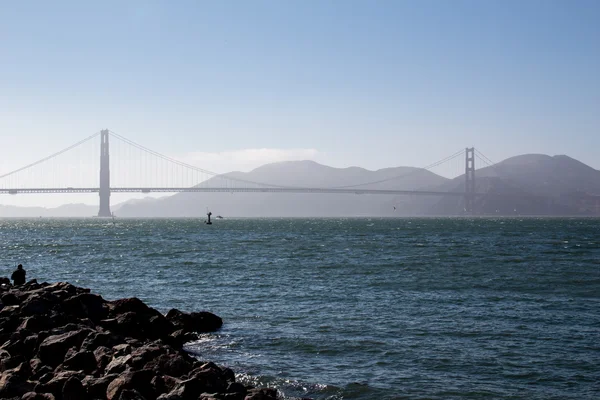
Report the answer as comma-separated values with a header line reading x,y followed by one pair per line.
x,y
355,308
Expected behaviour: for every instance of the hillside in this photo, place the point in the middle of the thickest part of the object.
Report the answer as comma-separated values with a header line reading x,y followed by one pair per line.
x,y
298,174
529,184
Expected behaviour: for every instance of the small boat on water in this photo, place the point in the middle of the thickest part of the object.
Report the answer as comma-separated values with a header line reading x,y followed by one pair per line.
x,y
218,217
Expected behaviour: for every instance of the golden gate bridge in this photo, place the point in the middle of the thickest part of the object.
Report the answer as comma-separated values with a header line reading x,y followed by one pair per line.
x,y
133,168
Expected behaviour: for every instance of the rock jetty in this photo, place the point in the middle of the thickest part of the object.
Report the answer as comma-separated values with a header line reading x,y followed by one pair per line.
x,y
61,342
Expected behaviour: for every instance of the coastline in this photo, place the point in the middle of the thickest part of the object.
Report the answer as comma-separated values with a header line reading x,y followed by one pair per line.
x,y
61,341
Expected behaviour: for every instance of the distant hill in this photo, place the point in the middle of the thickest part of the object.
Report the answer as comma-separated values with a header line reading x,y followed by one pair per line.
x,y
298,174
67,210
530,184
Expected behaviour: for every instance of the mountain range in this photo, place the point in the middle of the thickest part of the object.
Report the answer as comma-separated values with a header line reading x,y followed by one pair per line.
x,y
532,184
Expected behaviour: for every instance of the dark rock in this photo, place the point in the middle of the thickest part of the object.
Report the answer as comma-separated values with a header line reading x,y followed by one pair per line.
x,y
47,377
38,396
178,338
119,364
57,383
86,305
261,394
13,382
38,304
73,389
200,322
211,380
69,344
136,380
38,369
97,339
10,299
83,361
185,390
131,394
164,383
236,387
144,354
14,345
121,349
170,364
63,286
11,362
32,285
96,387
228,375
30,345
126,324
103,357
159,327
53,349
132,304
169,396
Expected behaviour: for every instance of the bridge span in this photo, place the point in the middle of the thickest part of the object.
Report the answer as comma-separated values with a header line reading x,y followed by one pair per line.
x,y
156,173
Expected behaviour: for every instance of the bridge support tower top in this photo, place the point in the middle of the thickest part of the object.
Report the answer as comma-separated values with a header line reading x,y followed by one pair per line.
x,y
104,176
469,179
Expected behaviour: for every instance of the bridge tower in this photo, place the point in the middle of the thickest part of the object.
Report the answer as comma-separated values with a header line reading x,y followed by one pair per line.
x,y
104,176
469,179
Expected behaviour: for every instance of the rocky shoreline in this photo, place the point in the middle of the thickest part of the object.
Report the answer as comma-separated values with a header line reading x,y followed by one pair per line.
x,y
61,342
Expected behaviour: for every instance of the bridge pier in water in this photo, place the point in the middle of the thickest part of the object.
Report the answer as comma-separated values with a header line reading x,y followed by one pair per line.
x,y
104,191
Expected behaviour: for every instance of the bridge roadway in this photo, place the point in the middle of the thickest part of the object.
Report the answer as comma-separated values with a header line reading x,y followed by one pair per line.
x,y
234,190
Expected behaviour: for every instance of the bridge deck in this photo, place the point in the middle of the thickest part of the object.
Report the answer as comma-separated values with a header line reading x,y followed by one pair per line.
x,y
232,190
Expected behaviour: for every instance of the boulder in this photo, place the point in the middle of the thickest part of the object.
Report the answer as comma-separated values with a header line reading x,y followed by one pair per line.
x,y
86,305
164,383
98,339
36,323
103,357
174,365
189,389
53,349
119,364
83,361
237,388
200,322
121,349
73,389
57,383
14,382
96,387
38,304
132,304
134,380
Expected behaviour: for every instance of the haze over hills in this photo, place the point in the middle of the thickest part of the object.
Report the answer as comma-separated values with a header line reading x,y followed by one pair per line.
x,y
296,174
529,184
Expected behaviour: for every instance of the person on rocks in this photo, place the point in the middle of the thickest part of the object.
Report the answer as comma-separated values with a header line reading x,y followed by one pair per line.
x,y
18,276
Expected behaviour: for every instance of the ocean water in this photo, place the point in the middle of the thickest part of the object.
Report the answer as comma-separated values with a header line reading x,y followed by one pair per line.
x,y
355,308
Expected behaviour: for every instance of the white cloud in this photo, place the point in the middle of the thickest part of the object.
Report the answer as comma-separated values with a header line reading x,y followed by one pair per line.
x,y
245,159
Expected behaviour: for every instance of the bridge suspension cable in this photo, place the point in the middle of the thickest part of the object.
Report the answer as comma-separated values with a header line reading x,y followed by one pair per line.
x,y
189,166
411,173
51,156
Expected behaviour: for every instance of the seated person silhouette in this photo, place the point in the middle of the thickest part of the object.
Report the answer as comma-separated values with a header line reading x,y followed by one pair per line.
x,y
18,276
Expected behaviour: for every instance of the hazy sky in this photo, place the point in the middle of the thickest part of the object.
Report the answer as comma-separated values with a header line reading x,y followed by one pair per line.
x,y
230,85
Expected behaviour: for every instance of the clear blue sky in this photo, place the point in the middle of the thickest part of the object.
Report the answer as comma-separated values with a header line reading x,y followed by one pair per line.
x,y
367,83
